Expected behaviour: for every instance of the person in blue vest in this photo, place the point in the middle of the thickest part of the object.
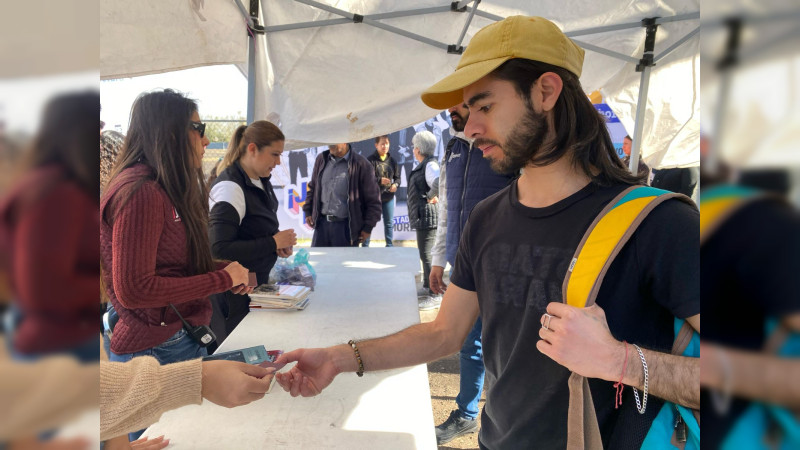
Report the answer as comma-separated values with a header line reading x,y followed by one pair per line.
x,y
466,179
528,111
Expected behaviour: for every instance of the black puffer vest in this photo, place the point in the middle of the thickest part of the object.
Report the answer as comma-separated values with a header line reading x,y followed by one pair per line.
x,y
421,214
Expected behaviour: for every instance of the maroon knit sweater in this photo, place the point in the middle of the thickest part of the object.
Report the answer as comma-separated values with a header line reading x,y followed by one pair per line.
x,y
145,265
50,227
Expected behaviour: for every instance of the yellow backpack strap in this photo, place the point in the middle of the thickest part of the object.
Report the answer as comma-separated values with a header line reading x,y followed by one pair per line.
x,y
604,239
720,203
601,243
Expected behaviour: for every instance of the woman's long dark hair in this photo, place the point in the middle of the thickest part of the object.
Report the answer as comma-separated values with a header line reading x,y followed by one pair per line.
x,y
580,131
158,136
69,136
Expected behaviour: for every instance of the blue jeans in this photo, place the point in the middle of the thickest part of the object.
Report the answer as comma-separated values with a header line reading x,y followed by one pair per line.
x,y
179,347
388,223
85,352
472,372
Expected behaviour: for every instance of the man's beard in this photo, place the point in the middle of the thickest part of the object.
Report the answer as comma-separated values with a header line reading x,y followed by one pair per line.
x,y
522,143
458,126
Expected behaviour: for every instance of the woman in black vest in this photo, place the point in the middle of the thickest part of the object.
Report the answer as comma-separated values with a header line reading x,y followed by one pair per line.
x,y
243,223
423,212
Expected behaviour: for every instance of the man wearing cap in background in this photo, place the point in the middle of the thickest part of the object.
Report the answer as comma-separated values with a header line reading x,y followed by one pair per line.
x,y
519,78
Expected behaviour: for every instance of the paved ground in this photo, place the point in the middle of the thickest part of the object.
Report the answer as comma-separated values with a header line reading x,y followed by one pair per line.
x,y
443,376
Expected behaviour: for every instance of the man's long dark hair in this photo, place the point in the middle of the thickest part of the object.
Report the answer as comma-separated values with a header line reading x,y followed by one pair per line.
x,y
580,131
158,136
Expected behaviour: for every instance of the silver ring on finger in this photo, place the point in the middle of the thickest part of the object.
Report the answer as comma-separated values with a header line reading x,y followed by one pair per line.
x,y
546,321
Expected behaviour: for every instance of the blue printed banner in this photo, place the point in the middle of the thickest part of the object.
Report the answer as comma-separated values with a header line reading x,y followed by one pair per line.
x,y
606,111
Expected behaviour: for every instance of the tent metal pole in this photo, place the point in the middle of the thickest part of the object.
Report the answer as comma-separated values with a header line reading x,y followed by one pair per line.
x,y
638,127
629,25
711,160
678,18
251,64
729,60
469,20
243,11
487,15
604,51
676,45
405,33
324,7
312,24
331,22
604,29
762,49
375,23
645,66
410,12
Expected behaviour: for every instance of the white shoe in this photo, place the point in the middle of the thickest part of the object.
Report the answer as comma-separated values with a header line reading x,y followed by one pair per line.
x,y
427,304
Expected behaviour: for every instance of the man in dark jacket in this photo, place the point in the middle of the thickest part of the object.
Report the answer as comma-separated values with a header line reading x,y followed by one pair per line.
x,y
342,203
387,174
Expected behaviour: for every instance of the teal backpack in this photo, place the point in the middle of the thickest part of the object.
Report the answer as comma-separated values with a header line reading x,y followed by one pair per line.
x,y
674,426
761,426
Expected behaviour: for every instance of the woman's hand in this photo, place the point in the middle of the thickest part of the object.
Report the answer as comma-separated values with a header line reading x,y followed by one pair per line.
x,y
238,273
285,238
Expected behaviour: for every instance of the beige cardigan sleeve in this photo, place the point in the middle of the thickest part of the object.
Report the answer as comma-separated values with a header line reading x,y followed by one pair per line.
x,y
133,395
43,395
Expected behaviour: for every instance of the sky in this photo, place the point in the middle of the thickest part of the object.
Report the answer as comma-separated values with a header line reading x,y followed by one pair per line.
x,y
22,99
219,91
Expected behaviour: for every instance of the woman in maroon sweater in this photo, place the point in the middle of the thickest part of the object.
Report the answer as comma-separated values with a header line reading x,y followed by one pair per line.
x,y
154,244
48,235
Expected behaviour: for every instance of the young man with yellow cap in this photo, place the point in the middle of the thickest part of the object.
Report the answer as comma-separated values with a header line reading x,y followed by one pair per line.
x,y
519,78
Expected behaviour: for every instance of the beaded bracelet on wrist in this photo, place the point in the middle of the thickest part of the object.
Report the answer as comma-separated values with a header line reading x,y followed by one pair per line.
x,y
360,372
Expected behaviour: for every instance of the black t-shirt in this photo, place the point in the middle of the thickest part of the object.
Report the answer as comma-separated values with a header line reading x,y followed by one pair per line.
x,y
516,257
750,268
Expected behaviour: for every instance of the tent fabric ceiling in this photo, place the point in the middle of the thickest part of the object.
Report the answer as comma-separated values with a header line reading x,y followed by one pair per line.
x,y
349,82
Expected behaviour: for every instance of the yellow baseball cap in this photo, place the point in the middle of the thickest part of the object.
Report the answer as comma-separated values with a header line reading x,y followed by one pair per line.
x,y
534,38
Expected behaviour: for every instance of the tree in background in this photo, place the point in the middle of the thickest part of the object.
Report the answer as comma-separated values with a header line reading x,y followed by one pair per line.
x,y
223,130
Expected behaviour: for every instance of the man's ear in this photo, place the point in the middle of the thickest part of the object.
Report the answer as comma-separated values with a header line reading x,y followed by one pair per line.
x,y
547,89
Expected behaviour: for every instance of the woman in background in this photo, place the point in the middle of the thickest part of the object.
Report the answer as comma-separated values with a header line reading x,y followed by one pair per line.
x,y
48,236
423,212
244,223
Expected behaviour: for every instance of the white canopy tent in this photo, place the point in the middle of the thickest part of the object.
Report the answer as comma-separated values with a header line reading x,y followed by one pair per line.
x,y
751,74
343,71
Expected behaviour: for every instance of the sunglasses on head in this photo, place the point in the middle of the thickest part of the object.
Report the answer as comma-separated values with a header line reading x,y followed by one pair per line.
x,y
200,127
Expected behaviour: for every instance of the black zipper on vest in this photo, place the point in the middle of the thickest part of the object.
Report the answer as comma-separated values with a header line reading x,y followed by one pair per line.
x,y
464,192
349,178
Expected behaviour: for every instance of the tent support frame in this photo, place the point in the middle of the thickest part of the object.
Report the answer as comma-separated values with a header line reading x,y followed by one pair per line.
x,y
729,60
251,60
645,66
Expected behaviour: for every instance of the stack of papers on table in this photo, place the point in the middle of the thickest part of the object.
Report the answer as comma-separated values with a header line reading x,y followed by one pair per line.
x,y
272,297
